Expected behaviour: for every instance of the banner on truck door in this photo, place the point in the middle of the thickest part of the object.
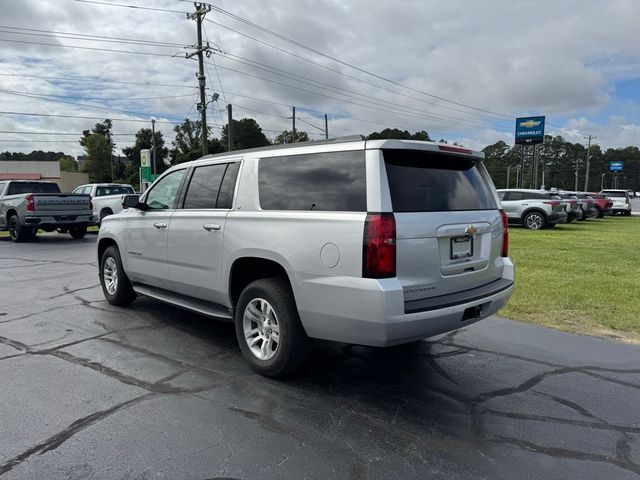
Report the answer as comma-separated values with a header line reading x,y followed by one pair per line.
x,y
529,130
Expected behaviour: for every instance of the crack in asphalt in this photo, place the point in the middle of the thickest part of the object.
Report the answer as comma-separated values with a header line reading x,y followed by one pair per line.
x,y
59,438
45,261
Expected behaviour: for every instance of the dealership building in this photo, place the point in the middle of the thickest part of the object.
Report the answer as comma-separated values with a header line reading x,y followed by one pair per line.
x,y
48,171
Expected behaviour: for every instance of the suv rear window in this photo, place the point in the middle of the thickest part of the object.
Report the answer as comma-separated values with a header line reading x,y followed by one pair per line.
x,y
114,190
613,193
422,181
333,181
17,188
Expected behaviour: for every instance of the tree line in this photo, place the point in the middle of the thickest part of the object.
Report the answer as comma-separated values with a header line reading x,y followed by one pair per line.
x,y
557,158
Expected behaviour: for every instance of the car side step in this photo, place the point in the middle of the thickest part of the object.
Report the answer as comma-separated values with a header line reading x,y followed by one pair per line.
x,y
212,310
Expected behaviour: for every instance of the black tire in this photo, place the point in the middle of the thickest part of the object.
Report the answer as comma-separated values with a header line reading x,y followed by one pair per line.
x,y
627,213
292,347
534,221
19,233
600,214
105,212
78,232
122,293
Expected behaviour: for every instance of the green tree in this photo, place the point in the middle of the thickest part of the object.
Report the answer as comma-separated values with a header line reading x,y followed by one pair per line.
x,y
187,145
287,137
68,164
104,129
96,142
246,134
394,133
98,164
144,140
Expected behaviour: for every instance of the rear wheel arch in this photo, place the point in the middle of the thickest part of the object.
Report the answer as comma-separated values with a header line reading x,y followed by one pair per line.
x,y
246,270
10,213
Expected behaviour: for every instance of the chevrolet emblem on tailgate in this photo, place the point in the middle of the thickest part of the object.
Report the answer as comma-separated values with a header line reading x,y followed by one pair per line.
x,y
471,230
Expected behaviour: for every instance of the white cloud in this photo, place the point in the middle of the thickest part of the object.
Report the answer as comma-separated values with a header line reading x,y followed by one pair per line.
x,y
543,57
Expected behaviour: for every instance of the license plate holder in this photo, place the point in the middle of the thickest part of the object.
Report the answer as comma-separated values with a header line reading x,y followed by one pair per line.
x,y
461,247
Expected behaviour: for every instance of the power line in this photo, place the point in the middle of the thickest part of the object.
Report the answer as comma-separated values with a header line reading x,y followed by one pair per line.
x,y
93,80
86,37
98,107
350,93
349,65
79,117
385,110
116,99
88,48
137,7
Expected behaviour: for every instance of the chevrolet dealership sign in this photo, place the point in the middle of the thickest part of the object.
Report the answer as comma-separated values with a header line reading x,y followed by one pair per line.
x,y
530,130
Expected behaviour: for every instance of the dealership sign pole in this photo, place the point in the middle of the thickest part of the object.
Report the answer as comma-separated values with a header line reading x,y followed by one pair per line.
x,y
529,131
616,167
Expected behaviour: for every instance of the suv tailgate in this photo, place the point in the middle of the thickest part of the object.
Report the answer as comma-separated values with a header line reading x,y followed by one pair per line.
x,y
448,224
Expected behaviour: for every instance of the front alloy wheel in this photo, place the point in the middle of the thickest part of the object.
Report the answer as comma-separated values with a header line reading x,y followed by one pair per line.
x,y
116,287
110,275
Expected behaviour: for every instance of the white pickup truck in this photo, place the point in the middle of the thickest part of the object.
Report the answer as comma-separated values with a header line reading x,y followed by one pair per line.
x,y
107,198
29,206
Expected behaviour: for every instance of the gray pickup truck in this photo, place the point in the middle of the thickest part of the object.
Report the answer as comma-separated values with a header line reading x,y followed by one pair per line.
x,y
29,206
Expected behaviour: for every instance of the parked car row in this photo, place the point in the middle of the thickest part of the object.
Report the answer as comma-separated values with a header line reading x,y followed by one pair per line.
x,y
538,209
27,206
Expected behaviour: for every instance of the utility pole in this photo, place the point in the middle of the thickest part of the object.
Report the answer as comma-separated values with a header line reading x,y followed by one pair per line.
x,y
201,11
153,144
293,131
326,127
229,128
586,172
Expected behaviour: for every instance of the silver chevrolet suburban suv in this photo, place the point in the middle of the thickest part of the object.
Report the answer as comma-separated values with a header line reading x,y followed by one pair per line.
x,y
375,243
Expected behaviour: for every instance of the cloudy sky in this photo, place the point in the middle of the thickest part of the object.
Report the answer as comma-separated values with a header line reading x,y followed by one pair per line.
x,y
460,70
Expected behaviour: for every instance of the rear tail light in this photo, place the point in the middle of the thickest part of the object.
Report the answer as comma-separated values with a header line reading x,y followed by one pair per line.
x,y
30,203
553,203
379,250
90,202
505,234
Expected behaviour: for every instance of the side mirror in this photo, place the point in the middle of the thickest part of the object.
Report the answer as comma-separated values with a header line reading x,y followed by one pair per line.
x,y
132,201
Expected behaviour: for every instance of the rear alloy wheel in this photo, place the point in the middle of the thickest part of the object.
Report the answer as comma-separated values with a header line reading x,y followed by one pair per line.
x,y
78,232
116,286
268,328
534,221
19,233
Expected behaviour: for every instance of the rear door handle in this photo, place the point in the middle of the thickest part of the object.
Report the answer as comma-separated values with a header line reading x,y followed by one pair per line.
x,y
211,226
160,226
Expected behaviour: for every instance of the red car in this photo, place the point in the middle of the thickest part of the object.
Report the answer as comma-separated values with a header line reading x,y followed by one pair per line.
x,y
603,203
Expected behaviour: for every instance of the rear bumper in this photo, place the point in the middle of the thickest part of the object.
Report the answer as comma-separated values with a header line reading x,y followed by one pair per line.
x,y
373,312
58,221
574,215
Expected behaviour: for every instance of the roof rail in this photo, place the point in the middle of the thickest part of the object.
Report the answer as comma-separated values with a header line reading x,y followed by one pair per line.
x,y
347,138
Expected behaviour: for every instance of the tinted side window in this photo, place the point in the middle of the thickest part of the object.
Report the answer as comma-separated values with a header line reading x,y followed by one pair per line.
x,y
422,181
163,194
334,181
225,197
204,186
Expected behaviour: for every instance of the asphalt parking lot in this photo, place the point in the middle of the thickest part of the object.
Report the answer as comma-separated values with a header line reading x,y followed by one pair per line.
x,y
93,391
